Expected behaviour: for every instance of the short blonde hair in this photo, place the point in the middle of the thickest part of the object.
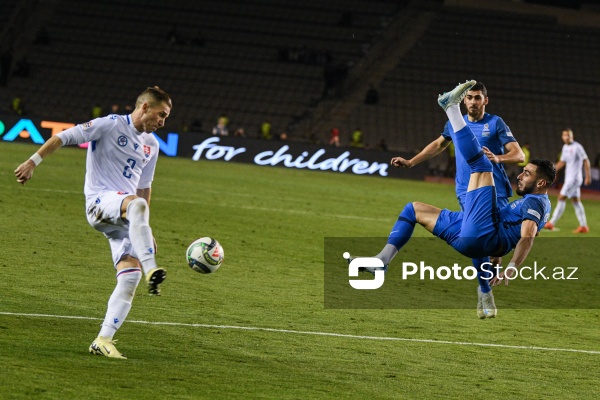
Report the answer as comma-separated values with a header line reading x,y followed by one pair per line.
x,y
153,96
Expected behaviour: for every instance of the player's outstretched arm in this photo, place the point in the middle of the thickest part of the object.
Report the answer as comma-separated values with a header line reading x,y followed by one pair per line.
x,y
514,154
528,233
431,150
587,180
24,172
559,165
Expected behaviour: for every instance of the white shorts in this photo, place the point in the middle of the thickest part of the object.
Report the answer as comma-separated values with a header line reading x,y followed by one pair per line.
x,y
571,189
104,214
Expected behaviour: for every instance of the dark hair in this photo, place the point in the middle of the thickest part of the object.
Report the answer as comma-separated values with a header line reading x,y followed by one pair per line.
x,y
545,170
153,95
480,87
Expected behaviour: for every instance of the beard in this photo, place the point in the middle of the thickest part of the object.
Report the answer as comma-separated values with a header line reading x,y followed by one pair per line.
x,y
526,189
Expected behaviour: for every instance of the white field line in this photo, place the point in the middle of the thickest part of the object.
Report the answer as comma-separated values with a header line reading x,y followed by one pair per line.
x,y
312,333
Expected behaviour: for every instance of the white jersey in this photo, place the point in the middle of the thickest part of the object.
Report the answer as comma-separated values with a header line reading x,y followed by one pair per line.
x,y
119,158
573,155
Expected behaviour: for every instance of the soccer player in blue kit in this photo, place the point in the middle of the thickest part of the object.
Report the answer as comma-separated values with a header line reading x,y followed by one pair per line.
x,y
482,228
498,144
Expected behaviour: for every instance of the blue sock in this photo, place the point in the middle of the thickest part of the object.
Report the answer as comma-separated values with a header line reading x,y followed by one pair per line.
x,y
469,146
404,227
483,276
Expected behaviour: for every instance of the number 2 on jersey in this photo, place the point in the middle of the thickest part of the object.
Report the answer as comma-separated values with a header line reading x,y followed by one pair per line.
x,y
126,173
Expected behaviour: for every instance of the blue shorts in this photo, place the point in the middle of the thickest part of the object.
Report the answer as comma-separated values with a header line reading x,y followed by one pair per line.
x,y
474,231
501,202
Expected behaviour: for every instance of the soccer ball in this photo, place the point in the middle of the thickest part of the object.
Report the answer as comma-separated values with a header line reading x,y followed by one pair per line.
x,y
205,255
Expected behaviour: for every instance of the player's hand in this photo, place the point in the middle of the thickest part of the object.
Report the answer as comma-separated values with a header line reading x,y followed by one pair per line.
x,y
24,172
587,181
491,156
505,276
400,162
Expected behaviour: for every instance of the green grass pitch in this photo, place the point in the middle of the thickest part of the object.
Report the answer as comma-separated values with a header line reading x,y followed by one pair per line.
x,y
257,328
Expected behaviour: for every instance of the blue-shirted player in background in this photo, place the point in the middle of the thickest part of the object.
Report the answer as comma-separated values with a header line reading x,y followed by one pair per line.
x,y
482,228
499,145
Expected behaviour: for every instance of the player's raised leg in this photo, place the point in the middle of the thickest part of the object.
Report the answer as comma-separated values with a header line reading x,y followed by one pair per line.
x,y
413,213
464,139
138,214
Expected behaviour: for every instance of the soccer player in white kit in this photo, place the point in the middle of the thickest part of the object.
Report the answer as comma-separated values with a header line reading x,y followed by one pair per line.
x,y
121,159
574,159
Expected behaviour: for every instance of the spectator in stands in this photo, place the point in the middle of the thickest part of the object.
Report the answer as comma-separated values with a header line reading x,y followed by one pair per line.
x,y
16,106
372,95
265,130
283,136
96,111
357,139
114,109
128,109
240,132
334,137
221,128
527,153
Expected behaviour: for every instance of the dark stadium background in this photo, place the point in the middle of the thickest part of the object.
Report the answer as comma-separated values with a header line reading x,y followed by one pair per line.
x,y
306,66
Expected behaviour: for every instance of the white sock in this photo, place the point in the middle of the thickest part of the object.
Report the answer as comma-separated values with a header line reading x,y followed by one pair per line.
x,y
558,211
456,119
119,303
580,213
387,253
140,233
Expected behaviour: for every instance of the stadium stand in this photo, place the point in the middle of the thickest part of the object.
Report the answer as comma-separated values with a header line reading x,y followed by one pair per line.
x,y
102,52
266,59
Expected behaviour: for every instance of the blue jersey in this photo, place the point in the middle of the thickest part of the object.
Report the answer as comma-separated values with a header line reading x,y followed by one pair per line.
x,y
483,229
535,207
493,133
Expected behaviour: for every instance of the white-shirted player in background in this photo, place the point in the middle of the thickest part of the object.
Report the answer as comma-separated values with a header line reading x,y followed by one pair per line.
x,y
121,159
574,159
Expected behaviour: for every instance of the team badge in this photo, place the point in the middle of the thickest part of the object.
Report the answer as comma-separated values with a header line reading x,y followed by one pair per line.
x,y
122,141
147,151
486,130
87,125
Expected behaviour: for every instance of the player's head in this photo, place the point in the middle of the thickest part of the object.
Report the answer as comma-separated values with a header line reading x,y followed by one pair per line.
x,y
475,100
567,136
537,176
152,107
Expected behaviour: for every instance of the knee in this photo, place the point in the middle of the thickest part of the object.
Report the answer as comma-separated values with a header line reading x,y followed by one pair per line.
x,y
138,204
137,207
